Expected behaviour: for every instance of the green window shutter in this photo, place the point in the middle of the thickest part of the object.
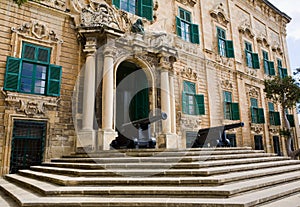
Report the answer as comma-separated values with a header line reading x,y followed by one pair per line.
x,y
253,115
184,103
271,106
277,118
178,26
195,34
290,117
43,55
145,9
200,107
235,111
54,80
229,49
255,61
189,87
116,3
284,72
271,68
29,51
261,116
12,73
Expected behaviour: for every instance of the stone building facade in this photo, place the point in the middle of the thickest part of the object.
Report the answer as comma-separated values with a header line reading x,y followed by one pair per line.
x,y
72,72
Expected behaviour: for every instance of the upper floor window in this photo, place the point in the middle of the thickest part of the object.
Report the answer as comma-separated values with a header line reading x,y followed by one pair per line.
x,y
268,65
192,103
281,71
252,60
33,73
257,114
225,47
185,29
142,8
274,117
231,110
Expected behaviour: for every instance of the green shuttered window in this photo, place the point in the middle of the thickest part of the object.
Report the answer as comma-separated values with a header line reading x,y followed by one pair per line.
x,y
252,59
282,71
274,117
185,29
225,47
33,73
268,65
257,114
231,110
142,8
192,103
290,117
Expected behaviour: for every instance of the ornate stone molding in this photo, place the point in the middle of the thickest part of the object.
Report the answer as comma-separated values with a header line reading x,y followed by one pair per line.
x,y
57,4
188,122
30,104
188,2
227,85
256,128
37,30
276,48
262,39
189,74
274,130
99,14
245,28
219,14
90,45
253,92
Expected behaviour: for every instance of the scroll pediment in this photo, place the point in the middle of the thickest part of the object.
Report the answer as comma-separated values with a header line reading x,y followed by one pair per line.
x,y
263,40
245,28
219,14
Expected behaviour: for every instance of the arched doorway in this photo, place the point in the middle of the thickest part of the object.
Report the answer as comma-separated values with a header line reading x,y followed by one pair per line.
x,y
132,96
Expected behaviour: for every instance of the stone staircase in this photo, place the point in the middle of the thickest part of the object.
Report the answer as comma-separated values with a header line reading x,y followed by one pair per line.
x,y
227,177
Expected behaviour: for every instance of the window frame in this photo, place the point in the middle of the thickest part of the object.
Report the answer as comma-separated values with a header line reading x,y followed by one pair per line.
x,y
225,47
252,59
192,103
281,71
231,109
33,55
257,114
274,117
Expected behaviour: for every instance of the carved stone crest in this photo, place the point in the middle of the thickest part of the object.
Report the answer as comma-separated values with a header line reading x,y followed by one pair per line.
x,y
37,30
253,92
257,128
226,85
189,73
245,28
219,14
188,2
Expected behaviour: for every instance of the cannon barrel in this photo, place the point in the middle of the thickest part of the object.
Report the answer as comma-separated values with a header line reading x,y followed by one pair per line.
x,y
232,126
148,120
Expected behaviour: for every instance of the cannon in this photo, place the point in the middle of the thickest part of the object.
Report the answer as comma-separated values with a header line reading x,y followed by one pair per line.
x,y
214,136
137,134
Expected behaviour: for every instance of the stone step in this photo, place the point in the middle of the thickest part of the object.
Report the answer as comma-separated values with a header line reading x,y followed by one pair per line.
x,y
139,153
179,165
228,190
126,171
28,198
175,181
161,159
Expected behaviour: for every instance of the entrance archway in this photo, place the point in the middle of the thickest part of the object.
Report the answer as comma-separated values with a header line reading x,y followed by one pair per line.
x,y
132,94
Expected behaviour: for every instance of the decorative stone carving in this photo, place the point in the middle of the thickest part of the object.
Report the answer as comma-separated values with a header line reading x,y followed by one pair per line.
x,y
261,39
30,104
256,128
219,14
188,2
58,4
227,85
37,30
99,15
274,130
245,28
189,74
276,48
188,122
253,92
228,62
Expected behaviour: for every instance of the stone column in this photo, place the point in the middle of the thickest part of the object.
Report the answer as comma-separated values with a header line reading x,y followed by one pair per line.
x,y
107,133
172,100
86,136
167,139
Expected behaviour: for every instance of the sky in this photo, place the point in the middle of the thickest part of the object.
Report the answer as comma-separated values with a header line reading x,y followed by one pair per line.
x,y
291,8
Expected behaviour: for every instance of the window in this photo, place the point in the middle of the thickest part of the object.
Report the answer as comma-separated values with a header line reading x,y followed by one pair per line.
x,y
185,29
231,110
192,103
274,117
252,60
232,139
258,142
276,145
142,8
225,47
257,114
290,117
268,65
33,73
282,71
